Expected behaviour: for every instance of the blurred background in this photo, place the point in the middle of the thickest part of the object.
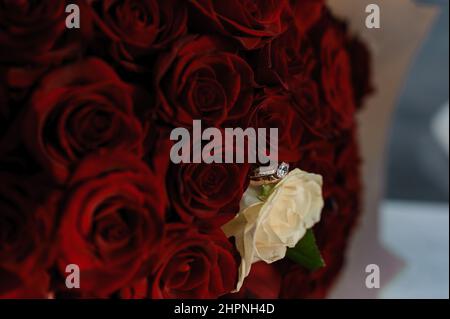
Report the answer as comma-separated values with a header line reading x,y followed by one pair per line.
x,y
418,165
404,140
417,182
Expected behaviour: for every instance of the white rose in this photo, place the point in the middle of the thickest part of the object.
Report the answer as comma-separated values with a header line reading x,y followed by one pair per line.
x,y
264,230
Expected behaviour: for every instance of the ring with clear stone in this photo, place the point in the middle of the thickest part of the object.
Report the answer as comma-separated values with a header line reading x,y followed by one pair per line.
x,y
269,174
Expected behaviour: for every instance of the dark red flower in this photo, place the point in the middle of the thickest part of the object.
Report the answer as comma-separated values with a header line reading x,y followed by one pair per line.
x,y
112,222
77,110
299,283
306,13
278,110
25,233
194,265
4,107
35,32
263,282
361,67
348,162
207,193
201,78
251,22
291,62
137,290
336,73
137,28
286,59
319,156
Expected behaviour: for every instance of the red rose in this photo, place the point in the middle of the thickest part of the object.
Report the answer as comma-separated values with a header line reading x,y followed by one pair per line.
x,y
263,282
306,13
361,68
35,32
348,163
336,75
111,222
207,193
76,110
202,79
137,290
290,61
195,265
285,59
315,113
19,81
278,110
3,95
4,108
252,23
137,28
318,156
25,234
299,283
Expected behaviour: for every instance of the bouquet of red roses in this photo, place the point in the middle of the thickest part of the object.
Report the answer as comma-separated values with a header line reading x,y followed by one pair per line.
x,y
91,204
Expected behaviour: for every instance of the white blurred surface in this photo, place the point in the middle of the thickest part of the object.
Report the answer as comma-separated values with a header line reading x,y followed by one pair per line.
x,y
419,234
440,126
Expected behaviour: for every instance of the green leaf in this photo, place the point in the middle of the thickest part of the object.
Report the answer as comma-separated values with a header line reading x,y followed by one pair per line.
x,y
266,190
306,252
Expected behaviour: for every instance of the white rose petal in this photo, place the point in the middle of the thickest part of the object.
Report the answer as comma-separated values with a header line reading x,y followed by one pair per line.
x,y
264,230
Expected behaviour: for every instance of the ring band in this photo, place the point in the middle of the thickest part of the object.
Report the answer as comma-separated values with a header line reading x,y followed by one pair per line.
x,y
269,174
